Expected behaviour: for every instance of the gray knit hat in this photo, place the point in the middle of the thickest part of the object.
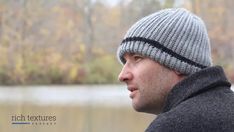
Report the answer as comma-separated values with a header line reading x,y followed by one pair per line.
x,y
175,38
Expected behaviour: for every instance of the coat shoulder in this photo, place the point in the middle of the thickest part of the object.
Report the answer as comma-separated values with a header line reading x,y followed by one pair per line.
x,y
205,112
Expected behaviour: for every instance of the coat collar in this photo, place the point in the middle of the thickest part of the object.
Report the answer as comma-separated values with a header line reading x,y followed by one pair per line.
x,y
198,82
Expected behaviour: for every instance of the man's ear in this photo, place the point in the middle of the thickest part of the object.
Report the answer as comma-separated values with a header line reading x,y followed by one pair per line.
x,y
181,76
178,73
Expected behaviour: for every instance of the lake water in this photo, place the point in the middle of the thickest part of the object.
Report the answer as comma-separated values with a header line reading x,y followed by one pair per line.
x,y
108,95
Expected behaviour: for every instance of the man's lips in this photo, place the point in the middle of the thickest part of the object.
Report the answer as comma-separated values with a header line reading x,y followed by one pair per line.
x,y
133,91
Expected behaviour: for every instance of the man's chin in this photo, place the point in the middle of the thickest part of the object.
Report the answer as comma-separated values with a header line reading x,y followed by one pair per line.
x,y
138,108
145,109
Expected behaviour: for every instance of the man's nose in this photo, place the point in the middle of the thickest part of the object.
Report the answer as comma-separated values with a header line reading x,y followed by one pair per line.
x,y
125,75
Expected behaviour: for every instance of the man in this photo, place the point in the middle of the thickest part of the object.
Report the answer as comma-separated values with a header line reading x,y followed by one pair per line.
x,y
168,70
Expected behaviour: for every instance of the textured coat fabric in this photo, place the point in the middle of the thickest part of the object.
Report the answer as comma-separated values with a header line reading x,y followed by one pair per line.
x,y
203,102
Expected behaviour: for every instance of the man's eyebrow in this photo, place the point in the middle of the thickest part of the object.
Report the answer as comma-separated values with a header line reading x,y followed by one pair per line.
x,y
132,54
140,55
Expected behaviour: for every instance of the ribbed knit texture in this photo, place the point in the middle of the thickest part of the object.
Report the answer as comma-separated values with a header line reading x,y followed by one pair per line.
x,y
175,38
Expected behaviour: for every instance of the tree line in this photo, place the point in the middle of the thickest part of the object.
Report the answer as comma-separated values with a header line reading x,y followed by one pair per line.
x,y
75,41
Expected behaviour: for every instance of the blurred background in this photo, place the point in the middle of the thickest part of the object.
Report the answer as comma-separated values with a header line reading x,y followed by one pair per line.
x,y
58,58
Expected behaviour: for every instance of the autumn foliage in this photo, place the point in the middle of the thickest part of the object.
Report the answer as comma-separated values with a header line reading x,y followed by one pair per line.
x,y
75,41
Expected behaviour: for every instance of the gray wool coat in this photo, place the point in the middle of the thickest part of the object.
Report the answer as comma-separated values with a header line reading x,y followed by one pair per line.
x,y
203,102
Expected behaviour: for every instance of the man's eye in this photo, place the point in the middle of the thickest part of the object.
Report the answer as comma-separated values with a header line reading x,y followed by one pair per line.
x,y
137,58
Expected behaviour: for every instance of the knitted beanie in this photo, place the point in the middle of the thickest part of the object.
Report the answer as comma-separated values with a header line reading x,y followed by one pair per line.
x,y
175,38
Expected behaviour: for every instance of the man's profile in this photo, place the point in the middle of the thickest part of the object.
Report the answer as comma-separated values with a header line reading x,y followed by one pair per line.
x,y
168,70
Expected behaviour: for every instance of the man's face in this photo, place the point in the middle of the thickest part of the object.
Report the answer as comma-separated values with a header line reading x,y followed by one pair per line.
x,y
147,81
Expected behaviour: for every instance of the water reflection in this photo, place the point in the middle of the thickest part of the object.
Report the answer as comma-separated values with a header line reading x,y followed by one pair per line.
x,y
108,95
